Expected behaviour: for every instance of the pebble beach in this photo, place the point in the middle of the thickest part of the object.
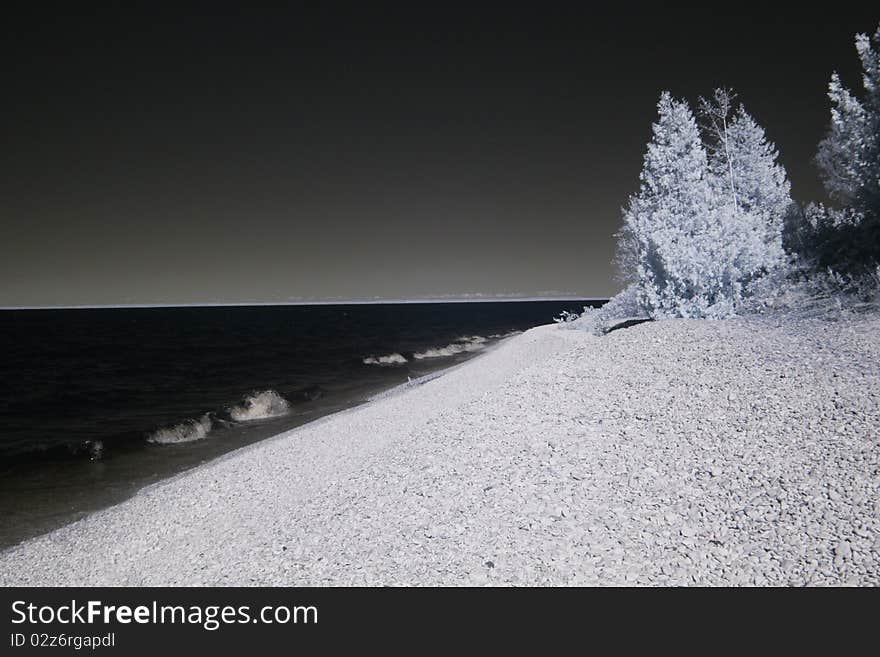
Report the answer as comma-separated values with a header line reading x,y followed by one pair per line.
x,y
681,452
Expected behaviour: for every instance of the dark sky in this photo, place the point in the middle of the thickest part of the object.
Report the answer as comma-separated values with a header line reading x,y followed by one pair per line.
x,y
247,156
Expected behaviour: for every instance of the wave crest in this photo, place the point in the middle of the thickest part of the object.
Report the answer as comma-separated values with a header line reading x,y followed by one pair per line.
x,y
389,359
185,432
465,344
260,406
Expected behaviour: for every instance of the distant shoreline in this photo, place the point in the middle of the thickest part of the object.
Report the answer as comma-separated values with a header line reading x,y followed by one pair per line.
x,y
353,302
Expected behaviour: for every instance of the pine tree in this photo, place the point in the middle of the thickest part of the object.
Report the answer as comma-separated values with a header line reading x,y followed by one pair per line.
x,y
664,238
746,176
848,237
703,227
761,181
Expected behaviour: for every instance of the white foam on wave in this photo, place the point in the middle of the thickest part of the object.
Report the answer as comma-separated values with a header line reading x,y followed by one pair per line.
x,y
260,406
389,359
462,345
500,336
185,432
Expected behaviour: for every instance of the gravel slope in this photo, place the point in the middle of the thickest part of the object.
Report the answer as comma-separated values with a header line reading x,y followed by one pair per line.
x,y
682,452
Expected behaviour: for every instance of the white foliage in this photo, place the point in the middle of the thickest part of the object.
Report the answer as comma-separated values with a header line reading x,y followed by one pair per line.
x,y
622,307
845,238
849,155
700,231
762,186
848,237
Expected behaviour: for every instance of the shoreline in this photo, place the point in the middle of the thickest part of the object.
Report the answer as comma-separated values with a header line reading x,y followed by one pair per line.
x,y
679,452
98,501
393,391
331,302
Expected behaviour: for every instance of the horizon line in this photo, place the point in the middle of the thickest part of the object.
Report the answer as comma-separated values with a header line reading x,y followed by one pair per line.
x,y
348,302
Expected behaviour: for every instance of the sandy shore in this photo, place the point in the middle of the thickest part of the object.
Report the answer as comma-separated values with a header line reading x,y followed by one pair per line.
x,y
735,452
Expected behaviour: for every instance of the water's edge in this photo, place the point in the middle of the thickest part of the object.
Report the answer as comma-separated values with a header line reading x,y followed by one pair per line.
x,y
380,394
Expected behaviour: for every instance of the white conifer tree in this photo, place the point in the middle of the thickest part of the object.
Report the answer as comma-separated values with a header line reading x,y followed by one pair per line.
x,y
761,181
703,227
848,237
747,177
849,155
668,237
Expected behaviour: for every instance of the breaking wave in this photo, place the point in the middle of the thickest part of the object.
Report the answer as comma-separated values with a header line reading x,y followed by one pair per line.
x,y
499,336
390,359
460,346
464,344
185,432
260,406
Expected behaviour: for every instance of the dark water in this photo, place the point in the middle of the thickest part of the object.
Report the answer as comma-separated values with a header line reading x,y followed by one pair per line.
x,y
83,391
